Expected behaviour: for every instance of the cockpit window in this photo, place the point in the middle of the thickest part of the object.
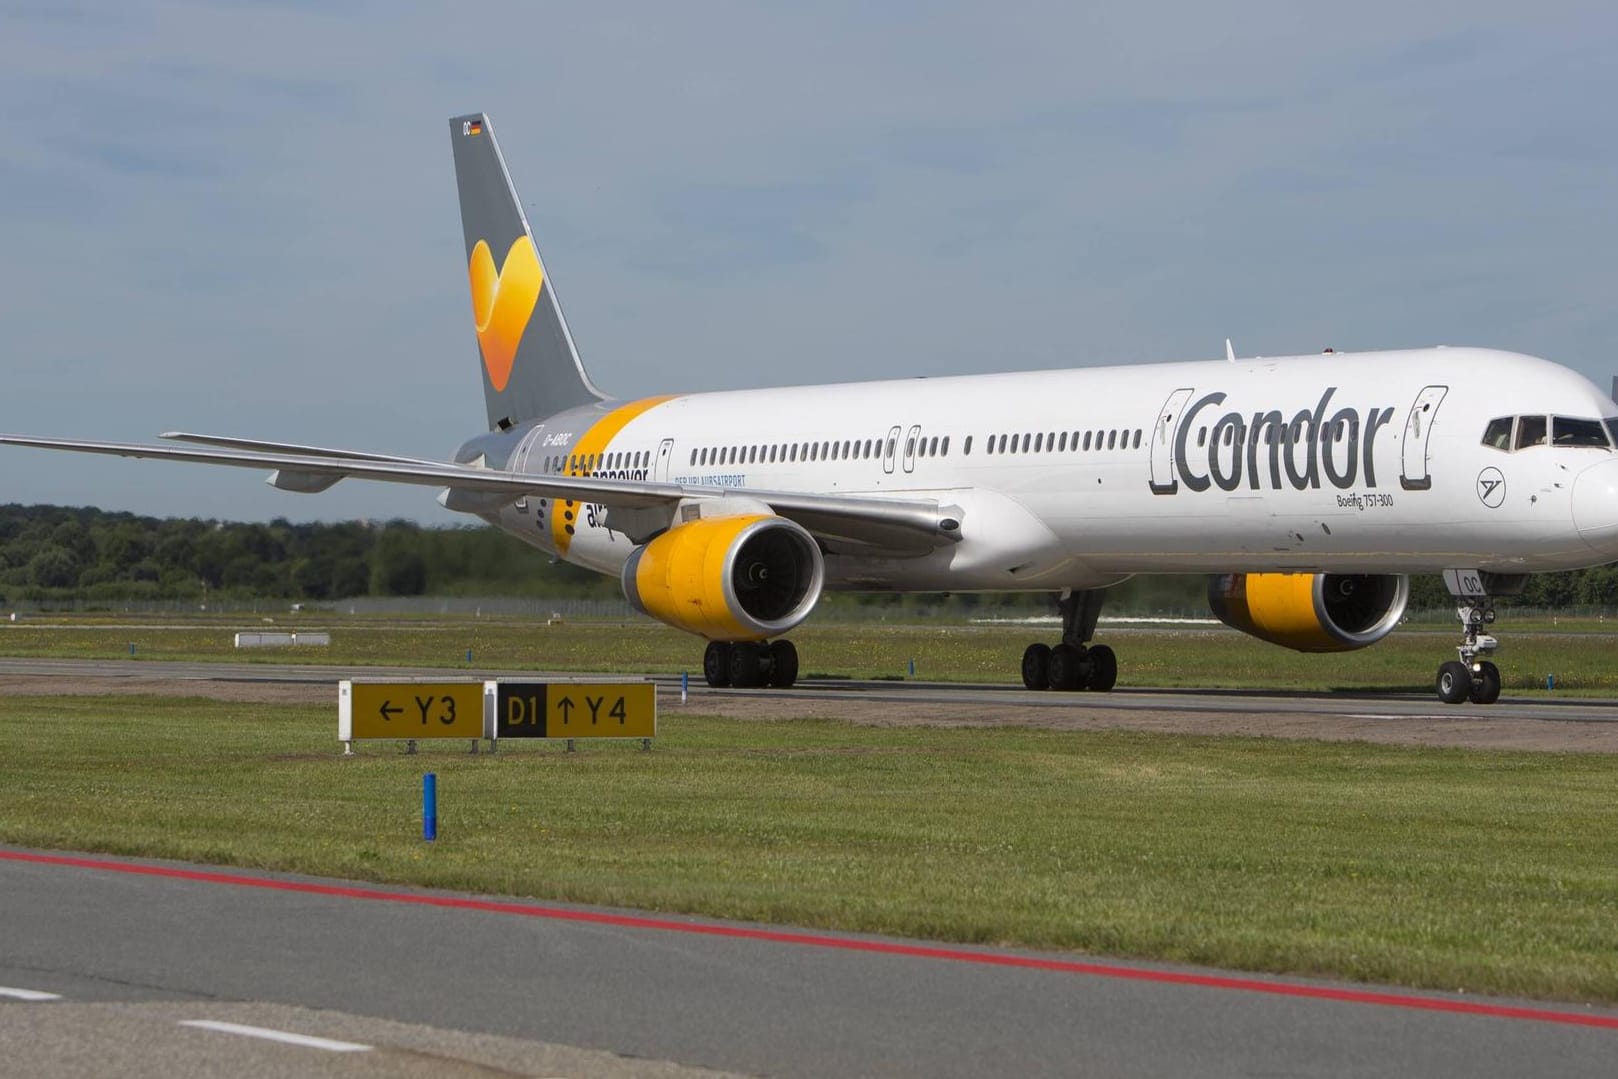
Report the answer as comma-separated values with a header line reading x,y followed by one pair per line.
x,y
1566,431
1552,431
1530,431
1498,433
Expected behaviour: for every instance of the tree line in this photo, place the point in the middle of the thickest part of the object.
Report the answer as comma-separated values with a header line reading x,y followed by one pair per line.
x,y
69,553
55,553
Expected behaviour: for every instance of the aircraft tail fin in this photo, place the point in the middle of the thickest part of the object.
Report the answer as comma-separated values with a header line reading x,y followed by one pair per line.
x,y
530,366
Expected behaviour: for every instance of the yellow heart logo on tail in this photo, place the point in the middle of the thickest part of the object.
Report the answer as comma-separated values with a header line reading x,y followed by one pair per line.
x,y
502,301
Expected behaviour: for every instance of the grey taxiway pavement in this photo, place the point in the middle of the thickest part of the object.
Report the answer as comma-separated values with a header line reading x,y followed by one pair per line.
x,y
1246,702
432,983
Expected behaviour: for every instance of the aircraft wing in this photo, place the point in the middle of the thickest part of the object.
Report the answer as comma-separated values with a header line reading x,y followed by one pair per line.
x,y
230,443
867,521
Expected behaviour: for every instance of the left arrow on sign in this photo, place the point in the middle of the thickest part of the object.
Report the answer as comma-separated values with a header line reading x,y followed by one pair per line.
x,y
388,710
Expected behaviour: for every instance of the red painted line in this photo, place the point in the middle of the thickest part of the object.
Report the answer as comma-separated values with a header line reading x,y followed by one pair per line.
x,y
815,940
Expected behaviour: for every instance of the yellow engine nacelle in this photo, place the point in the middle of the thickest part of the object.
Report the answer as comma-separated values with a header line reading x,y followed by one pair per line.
x,y
728,578
1311,612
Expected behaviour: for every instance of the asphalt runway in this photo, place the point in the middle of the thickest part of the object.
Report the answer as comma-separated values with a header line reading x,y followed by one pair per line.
x,y
416,982
878,693
1536,723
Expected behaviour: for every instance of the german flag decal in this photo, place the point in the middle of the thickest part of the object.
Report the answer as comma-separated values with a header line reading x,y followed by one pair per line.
x,y
472,127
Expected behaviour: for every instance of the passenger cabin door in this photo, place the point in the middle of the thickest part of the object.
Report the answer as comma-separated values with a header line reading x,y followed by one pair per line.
x,y
525,450
910,447
1164,481
665,453
889,447
1418,429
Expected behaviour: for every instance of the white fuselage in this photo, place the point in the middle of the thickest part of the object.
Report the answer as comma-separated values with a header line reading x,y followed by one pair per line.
x,y
1370,462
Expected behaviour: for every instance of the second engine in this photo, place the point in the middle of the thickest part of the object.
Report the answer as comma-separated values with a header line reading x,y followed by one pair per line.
x,y
1311,612
740,578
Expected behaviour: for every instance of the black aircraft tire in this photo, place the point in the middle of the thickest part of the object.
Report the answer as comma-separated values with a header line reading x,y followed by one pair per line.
x,y
716,664
1454,682
784,664
746,665
1036,666
1067,669
1485,684
1103,668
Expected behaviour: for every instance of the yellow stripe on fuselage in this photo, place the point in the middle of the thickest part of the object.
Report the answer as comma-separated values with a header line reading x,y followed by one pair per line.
x,y
593,443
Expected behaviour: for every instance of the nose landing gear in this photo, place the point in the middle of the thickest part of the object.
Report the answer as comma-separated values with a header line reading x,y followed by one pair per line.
x,y
1471,677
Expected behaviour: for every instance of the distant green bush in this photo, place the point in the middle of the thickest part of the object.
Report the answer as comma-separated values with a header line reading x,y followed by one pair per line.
x,y
64,554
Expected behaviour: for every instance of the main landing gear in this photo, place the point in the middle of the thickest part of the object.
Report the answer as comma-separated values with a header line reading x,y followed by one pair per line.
x,y
1075,663
1471,677
750,664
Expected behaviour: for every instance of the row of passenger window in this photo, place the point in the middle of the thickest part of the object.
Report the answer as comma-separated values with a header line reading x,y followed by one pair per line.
x,y
589,463
855,450
858,450
791,452
1058,442
1521,432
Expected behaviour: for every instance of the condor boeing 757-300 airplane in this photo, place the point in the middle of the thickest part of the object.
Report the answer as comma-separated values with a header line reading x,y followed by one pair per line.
x,y
1307,488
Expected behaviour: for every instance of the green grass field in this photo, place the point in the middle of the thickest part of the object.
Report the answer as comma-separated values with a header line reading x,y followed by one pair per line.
x,y
1583,656
1449,869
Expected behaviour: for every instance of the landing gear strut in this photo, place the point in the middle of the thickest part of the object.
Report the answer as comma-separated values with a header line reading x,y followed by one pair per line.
x,y
749,664
1075,663
1470,677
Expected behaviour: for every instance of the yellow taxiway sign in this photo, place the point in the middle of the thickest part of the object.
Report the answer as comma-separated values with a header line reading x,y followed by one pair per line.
x,y
416,709
575,710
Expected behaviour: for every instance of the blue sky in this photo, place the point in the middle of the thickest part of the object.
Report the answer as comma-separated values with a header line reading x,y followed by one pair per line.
x,y
241,218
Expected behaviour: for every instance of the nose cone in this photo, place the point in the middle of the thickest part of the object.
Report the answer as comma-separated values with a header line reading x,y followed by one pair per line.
x,y
1595,506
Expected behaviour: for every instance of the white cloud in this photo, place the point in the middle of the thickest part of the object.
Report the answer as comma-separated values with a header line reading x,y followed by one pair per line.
x,y
242,218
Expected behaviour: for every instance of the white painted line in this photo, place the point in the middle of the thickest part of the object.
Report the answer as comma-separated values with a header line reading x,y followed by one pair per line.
x,y
27,994
277,1036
